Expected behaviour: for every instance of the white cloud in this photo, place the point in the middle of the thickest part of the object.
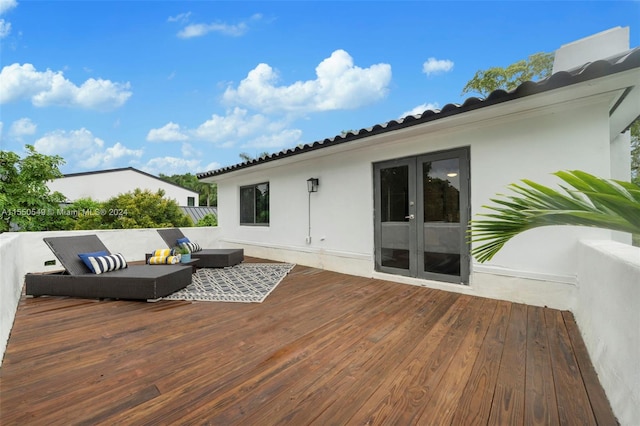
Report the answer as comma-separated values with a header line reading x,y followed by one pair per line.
x,y
285,138
171,166
436,66
236,128
5,28
82,148
22,127
188,150
339,85
237,124
181,17
6,5
420,109
49,88
211,166
234,30
171,132
80,141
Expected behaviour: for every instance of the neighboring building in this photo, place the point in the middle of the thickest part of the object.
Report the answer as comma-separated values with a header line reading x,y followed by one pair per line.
x,y
105,184
197,213
394,200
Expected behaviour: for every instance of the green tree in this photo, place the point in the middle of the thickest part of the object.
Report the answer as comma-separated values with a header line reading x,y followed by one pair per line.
x,y
25,198
208,192
84,213
142,209
591,201
246,157
208,220
537,66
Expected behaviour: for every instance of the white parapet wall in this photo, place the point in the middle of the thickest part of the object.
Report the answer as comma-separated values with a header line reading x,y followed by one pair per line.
x,y
24,252
11,278
608,315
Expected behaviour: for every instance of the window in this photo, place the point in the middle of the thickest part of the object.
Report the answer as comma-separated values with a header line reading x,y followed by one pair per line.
x,y
191,201
254,204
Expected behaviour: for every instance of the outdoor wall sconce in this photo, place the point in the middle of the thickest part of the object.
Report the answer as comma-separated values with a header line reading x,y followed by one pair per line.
x,y
312,184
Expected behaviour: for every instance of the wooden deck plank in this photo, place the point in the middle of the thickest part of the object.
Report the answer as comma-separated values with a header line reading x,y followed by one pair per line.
x,y
475,403
284,368
242,368
375,358
324,348
574,407
508,399
540,397
443,405
399,393
599,401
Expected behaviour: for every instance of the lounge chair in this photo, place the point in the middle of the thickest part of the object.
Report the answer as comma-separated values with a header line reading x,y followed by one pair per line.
x,y
208,258
146,282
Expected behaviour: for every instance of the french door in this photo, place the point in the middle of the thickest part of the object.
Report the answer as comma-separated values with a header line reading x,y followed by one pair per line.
x,y
421,210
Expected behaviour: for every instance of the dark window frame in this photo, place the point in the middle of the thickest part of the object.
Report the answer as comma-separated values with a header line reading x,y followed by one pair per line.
x,y
254,205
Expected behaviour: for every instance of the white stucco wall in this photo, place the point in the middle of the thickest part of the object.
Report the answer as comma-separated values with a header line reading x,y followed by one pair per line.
x,y
11,278
504,149
608,315
102,186
529,144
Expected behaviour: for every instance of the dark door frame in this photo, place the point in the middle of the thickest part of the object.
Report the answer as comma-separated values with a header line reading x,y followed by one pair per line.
x,y
414,223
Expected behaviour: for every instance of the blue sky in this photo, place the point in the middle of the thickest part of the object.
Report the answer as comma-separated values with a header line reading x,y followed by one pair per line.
x,y
179,86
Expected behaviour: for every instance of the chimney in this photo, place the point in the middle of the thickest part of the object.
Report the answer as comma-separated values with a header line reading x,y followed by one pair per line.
x,y
590,49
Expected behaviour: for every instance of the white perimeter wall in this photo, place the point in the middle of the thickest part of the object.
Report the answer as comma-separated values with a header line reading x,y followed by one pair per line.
x,y
102,186
608,315
537,267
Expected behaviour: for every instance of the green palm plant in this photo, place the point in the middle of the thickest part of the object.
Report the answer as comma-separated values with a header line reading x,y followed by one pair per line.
x,y
591,201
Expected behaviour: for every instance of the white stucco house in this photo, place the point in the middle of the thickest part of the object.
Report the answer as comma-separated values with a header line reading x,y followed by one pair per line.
x,y
102,185
393,200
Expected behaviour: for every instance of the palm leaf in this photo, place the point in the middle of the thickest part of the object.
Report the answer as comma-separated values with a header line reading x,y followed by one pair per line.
x,y
587,201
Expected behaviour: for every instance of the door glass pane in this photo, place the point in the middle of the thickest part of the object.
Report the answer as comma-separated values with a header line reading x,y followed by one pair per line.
x,y
394,194
442,248
441,181
394,206
441,216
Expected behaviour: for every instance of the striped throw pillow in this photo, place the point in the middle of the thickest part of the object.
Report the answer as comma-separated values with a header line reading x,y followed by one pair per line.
x,y
192,247
108,263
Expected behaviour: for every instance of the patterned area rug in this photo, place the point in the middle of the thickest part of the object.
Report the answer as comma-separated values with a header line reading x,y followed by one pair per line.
x,y
246,282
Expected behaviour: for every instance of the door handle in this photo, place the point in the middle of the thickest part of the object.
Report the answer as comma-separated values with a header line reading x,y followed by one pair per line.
x,y
410,217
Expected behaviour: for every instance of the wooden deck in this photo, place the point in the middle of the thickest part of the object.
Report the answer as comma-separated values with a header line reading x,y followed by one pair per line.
x,y
324,348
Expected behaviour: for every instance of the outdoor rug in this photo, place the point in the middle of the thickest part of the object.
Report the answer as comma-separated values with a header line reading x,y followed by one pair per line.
x,y
246,282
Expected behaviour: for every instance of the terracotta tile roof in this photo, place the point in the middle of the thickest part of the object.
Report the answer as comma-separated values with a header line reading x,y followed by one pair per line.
x,y
589,71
